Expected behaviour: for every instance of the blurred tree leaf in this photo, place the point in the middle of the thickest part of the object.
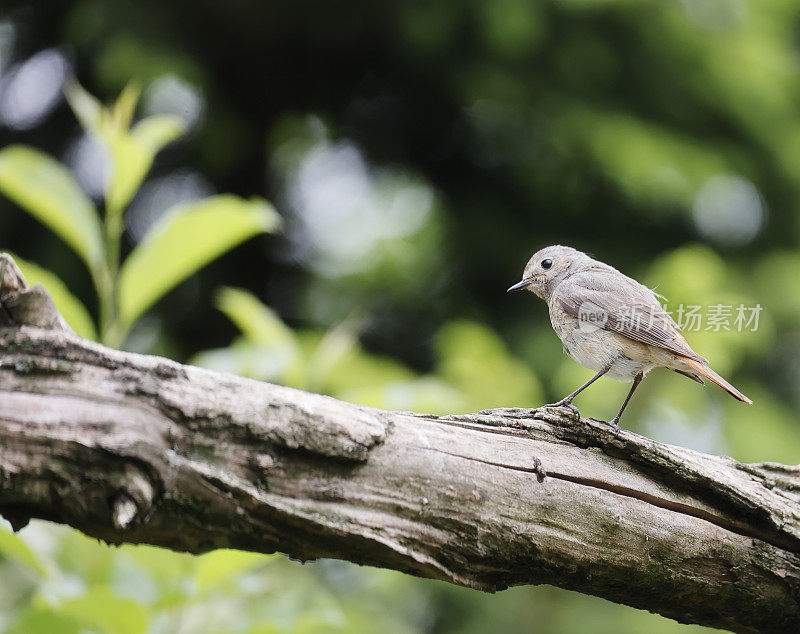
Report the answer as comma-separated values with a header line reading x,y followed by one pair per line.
x,y
153,133
87,108
100,609
276,350
185,239
649,162
45,619
475,361
475,369
218,568
14,548
356,369
675,274
157,577
339,342
133,149
70,307
246,358
274,340
46,190
256,320
776,279
125,106
772,437
134,153
423,394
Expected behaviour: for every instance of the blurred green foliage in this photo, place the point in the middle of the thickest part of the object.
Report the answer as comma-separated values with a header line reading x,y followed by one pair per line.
x,y
419,152
187,237
474,369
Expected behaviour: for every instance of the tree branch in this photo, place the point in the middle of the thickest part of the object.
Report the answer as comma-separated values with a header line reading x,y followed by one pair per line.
x,y
131,448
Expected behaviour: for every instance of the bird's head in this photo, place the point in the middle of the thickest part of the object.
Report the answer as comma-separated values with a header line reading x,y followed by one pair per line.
x,y
548,267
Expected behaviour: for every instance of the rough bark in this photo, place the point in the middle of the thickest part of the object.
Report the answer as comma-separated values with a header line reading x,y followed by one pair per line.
x,y
131,448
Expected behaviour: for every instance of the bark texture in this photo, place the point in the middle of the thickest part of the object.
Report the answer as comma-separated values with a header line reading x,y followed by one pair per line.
x,y
131,448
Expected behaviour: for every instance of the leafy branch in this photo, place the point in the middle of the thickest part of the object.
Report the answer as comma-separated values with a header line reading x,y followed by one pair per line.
x,y
186,238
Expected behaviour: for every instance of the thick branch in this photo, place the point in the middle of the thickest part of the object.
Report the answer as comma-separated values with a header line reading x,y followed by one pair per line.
x,y
131,448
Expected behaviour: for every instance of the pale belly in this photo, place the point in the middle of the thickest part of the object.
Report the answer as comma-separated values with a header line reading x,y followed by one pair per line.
x,y
597,349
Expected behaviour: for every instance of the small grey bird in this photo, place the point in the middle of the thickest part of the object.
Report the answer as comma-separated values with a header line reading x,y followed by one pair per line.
x,y
610,323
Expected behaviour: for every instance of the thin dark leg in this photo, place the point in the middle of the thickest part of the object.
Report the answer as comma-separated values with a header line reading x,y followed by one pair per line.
x,y
567,400
614,422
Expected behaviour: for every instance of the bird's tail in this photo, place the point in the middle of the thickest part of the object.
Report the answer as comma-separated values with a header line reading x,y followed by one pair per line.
x,y
703,370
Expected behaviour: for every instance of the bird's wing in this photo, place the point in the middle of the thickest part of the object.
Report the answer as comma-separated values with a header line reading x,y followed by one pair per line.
x,y
625,306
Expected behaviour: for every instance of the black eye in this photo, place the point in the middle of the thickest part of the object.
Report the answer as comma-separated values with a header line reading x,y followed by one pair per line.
x,y
546,264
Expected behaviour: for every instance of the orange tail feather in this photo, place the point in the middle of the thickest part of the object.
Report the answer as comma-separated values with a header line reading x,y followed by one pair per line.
x,y
703,370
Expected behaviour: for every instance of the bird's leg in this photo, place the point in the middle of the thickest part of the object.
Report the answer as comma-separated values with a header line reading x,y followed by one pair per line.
x,y
567,400
614,422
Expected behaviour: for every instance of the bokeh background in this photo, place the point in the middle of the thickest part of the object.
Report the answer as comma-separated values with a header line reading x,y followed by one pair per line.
x,y
418,153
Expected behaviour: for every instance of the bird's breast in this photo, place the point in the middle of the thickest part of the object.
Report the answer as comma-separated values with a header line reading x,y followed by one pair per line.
x,y
598,349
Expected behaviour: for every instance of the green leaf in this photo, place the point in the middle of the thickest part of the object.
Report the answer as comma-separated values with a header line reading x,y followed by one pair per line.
x,y
277,345
125,106
14,548
47,191
474,360
133,150
255,360
133,154
185,239
86,107
100,609
70,307
337,344
256,320
153,133
218,568
45,619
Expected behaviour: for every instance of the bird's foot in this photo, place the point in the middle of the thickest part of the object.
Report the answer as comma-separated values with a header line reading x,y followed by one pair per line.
x,y
565,403
613,423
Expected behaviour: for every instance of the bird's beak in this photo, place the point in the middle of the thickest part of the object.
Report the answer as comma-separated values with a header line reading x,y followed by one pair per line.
x,y
520,285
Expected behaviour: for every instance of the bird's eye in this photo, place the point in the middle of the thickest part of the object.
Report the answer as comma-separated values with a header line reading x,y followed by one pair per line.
x,y
546,264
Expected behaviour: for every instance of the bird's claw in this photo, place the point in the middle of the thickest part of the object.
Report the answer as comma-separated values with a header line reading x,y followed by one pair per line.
x,y
567,404
613,423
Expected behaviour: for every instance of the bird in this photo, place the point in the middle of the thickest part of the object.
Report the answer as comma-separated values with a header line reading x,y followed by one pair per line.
x,y
610,323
